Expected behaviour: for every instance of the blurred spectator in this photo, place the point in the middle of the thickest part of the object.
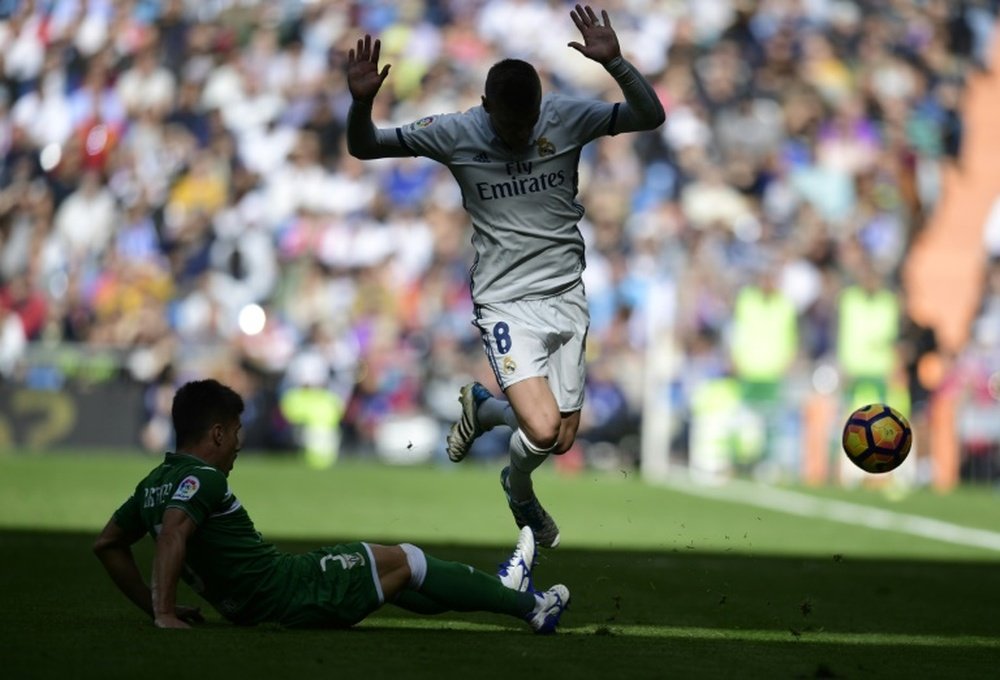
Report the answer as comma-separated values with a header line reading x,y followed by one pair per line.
x,y
169,169
13,342
86,220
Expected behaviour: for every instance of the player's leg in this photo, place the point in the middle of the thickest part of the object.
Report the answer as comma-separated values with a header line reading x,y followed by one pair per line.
x,y
424,581
548,410
427,585
524,459
538,434
516,340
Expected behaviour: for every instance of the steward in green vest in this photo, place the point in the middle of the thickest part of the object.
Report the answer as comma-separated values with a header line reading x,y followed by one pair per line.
x,y
867,337
763,346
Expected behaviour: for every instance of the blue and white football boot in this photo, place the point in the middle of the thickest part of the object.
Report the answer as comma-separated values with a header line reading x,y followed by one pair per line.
x,y
515,573
549,607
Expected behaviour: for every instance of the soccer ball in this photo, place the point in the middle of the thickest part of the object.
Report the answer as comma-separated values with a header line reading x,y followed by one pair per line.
x,y
877,438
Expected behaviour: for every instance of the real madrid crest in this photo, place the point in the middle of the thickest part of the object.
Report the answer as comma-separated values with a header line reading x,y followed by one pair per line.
x,y
545,147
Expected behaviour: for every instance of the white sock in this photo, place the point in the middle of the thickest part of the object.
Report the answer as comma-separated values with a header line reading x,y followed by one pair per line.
x,y
493,412
524,458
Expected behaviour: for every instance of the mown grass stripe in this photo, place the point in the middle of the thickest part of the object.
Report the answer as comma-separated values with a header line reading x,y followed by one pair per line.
x,y
804,505
691,632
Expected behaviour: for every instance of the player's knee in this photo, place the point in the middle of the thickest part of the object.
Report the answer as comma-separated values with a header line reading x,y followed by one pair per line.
x,y
546,441
527,453
567,435
416,565
564,444
542,433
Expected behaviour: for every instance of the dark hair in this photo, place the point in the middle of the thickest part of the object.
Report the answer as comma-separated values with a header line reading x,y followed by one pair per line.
x,y
514,85
200,404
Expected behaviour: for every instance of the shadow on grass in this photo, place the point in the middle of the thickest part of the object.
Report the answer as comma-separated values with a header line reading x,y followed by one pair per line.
x,y
696,614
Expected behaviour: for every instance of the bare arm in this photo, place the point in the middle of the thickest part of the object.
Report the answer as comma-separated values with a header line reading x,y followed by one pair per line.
x,y
113,548
171,547
364,79
642,109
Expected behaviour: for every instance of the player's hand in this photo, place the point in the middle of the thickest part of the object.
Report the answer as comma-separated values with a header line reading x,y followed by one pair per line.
x,y
363,77
182,617
169,621
600,42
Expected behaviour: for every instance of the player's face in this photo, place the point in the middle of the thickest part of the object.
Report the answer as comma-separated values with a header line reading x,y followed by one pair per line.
x,y
230,445
516,129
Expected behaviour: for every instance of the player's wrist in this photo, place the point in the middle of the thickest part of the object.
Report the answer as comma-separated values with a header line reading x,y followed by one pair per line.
x,y
616,64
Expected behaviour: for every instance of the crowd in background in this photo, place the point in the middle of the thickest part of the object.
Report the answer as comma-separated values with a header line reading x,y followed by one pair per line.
x,y
175,190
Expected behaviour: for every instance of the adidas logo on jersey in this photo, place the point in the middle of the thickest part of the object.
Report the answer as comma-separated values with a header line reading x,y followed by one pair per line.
x,y
481,157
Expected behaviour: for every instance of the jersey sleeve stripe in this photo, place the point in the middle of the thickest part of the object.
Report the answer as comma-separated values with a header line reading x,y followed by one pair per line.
x,y
402,142
614,118
233,507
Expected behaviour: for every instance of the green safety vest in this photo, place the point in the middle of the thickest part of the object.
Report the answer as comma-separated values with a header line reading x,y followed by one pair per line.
x,y
867,333
765,335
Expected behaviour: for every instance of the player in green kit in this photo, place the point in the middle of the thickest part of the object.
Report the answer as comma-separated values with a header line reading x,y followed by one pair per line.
x,y
204,536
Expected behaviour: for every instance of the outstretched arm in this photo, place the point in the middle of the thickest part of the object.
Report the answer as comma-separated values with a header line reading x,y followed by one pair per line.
x,y
642,109
171,548
364,79
114,549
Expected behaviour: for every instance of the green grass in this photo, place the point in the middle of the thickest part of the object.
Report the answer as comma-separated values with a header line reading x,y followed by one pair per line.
x,y
664,584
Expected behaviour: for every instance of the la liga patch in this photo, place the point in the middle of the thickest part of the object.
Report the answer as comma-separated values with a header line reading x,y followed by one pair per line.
x,y
186,489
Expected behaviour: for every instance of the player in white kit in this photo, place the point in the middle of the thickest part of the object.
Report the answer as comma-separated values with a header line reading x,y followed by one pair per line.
x,y
515,158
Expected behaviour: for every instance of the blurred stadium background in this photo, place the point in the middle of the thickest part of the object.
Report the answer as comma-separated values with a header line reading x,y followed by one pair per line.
x,y
817,225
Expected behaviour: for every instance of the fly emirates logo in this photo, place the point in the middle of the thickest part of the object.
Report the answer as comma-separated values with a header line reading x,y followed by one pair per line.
x,y
520,181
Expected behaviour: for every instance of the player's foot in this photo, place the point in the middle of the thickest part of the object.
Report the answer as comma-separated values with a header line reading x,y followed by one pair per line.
x,y
531,513
467,428
515,573
549,606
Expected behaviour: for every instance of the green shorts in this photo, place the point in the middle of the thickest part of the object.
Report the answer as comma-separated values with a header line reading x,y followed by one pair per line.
x,y
337,587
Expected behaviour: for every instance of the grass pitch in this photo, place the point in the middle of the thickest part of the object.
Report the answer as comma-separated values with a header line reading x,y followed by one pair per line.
x,y
664,584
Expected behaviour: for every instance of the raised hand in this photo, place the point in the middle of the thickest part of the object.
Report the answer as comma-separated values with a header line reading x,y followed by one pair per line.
x,y
600,42
363,77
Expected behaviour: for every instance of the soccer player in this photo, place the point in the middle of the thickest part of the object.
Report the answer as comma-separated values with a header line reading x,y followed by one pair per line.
x,y
515,158
204,536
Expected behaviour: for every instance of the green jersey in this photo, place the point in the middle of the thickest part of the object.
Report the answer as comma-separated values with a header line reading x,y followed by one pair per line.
x,y
227,562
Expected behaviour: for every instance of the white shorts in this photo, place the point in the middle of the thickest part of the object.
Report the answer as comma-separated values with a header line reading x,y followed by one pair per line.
x,y
546,338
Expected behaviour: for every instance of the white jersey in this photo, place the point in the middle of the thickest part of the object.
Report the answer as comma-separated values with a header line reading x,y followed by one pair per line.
x,y
522,204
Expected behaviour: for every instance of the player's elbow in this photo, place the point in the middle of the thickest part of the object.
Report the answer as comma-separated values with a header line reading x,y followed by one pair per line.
x,y
360,150
360,154
656,118
104,546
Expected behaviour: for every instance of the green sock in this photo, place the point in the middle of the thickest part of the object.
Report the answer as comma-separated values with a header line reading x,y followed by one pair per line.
x,y
462,588
412,601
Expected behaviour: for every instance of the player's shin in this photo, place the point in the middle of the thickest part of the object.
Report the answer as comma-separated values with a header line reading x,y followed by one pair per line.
x,y
524,459
460,587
